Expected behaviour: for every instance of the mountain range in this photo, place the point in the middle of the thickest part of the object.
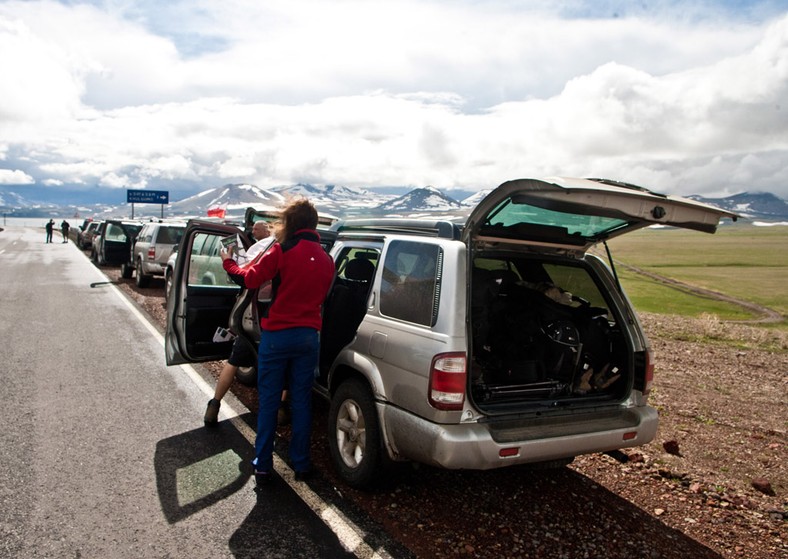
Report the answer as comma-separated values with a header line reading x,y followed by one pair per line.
x,y
339,201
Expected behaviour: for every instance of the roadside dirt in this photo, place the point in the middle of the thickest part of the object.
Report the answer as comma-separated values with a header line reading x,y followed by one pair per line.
x,y
714,483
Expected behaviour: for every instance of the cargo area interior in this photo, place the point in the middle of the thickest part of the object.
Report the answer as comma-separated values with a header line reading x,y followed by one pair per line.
x,y
543,333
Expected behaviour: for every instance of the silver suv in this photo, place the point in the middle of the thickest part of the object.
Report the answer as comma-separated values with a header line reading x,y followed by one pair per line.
x,y
151,250
477,345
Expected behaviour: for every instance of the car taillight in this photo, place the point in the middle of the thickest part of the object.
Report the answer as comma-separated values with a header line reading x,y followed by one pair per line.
x,y
649,372
447,381
151,253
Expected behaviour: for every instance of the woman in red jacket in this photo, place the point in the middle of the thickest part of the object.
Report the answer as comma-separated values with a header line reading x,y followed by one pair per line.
x,y
301,273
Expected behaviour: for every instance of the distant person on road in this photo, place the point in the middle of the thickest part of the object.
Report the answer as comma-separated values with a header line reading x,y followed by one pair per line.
x,y
50,227
241,355
301,273
64,227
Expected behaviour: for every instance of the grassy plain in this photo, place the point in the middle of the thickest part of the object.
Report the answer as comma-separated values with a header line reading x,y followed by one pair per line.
x,y
742,261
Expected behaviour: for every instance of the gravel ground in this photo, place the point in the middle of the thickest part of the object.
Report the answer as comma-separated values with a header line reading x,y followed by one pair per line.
x,y
714,483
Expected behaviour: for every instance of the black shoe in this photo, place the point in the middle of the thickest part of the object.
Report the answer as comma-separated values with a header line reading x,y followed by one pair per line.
x,y
262,479
306,475
212,412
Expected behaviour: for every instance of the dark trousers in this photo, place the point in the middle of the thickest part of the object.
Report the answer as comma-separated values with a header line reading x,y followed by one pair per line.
x,y
286,355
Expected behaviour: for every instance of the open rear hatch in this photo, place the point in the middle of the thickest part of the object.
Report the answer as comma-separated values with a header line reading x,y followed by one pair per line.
x,y
548,326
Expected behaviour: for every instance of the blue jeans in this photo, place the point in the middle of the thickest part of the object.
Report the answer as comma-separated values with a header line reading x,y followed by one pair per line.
x,y
293,354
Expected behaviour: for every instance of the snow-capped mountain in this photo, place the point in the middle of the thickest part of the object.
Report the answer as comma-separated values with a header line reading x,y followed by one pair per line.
x,y
234,198
751,205
420,199
13,203
336,200
473,200
340,201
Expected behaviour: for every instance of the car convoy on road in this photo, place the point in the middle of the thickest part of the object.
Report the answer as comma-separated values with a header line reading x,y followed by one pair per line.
x,y
465,344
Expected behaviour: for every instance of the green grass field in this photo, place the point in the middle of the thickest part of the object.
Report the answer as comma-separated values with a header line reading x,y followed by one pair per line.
x,y
743,261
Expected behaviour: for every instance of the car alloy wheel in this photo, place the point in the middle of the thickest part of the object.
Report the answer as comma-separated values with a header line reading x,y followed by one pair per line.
x,y
354,435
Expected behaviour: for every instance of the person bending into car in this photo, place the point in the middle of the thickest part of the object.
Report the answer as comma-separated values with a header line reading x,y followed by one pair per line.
x,y
241,354
301,273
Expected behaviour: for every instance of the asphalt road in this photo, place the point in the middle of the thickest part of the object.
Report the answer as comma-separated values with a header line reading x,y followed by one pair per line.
x,y
102,447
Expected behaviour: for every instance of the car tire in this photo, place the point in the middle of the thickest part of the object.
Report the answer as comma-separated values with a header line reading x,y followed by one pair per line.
x,y
126,270
354,435
247,376
143,279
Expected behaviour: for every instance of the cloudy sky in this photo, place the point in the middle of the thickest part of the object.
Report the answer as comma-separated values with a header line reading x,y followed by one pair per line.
x,y
682,96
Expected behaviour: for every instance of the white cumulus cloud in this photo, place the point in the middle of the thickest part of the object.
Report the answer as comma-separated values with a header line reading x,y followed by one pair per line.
x,y
682,97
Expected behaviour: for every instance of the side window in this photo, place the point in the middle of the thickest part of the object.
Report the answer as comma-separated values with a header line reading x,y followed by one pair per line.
x,y
205,264
410,289
169,235
115,233
357,264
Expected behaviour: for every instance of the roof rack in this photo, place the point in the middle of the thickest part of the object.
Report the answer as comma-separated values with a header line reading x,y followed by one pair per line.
x,y
423,227
628,185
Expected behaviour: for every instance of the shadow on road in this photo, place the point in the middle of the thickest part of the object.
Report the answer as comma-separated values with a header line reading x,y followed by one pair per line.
x,y
198,468
282,525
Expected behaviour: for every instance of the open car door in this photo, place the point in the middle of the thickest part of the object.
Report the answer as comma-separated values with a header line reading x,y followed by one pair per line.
x,y
118,236
574,214
202,295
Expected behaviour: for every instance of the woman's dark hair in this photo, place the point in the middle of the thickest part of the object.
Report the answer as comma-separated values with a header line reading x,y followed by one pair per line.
x,y
299,214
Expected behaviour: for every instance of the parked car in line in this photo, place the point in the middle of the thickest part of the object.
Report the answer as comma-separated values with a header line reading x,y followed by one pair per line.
x,y
151,250
113,240
477,345
85,235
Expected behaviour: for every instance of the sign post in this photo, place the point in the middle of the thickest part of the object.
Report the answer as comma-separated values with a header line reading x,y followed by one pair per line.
x,y
147,197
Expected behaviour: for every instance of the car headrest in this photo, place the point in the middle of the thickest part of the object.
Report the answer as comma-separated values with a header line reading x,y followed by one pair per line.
x,y
359,269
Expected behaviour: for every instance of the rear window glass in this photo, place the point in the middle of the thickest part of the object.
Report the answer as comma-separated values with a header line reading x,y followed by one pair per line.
x,y
522,218
170,235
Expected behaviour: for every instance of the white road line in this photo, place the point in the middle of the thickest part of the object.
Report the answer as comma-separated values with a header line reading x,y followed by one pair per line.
x,y
350,536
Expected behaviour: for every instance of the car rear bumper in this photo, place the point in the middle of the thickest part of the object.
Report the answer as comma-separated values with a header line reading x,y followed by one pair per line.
x,y
483,446
153,268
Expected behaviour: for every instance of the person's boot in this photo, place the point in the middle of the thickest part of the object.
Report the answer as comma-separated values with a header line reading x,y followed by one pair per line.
x,y
212,412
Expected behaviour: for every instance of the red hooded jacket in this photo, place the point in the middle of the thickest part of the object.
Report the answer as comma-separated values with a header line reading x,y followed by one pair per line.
x,y
301,273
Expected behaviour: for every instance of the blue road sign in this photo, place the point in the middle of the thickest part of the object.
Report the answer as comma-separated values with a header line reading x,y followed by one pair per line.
x,y
147,196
